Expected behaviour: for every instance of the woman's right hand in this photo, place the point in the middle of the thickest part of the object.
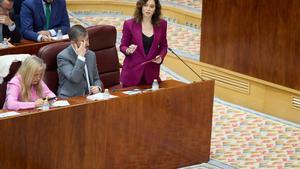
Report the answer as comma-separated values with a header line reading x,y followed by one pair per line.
x,y
131,49
39,102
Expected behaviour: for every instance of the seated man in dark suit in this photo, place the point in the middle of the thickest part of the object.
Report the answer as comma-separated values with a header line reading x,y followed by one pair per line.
x,y
8,28
76,66
42,19
17,9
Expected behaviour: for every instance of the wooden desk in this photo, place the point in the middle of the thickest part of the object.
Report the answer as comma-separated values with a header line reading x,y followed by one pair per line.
x,y
168,128
26,47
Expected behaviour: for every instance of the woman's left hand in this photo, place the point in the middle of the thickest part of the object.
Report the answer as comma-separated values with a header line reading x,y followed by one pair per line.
x,y
157,60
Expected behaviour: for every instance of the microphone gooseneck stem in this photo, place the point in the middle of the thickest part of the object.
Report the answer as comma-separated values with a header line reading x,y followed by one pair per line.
x,y
186,65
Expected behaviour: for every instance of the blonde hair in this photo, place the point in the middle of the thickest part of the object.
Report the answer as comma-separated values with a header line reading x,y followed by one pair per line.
x,y
27,70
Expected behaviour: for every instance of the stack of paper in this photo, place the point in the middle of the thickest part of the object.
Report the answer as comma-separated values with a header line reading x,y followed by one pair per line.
x,y
137,91
132,92
60,103
100,96
8,114
66,36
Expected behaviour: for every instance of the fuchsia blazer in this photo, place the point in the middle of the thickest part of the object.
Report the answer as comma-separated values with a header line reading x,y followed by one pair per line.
x,y
133,69
13,95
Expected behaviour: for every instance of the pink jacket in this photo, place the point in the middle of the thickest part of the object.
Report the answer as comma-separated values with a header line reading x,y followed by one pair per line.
x,y
133,69
13,95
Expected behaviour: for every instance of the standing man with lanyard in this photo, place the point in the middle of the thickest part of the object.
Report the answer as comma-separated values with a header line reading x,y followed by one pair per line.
x,y
41,19
8,28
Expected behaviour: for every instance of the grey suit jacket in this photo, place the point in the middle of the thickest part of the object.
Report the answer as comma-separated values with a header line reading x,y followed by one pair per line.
x,y
72,78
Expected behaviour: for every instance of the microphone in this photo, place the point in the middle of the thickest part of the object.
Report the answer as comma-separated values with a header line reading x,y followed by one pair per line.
x,y
186,65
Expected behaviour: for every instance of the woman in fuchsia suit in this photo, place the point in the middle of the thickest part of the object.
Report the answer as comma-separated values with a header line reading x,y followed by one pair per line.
x,y
144,44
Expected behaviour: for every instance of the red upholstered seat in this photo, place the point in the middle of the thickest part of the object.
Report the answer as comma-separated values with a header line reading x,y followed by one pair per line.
x,y
102,42
49,54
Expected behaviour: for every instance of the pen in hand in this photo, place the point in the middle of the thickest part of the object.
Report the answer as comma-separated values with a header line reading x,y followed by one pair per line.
x,y
49,98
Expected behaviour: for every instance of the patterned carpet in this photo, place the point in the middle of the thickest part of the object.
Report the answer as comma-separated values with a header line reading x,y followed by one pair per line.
x,y
190,5
246,139
241,138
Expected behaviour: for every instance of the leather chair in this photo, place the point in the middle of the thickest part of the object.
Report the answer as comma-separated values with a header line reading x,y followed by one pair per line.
x,y
12,71
49,54
102,41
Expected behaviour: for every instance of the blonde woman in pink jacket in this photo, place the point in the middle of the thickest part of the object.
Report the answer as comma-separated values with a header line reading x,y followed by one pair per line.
x,y
26,89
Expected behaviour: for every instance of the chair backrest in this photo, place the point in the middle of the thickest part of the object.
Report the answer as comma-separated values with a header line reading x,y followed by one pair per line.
x,y
49,54
12,71
102,42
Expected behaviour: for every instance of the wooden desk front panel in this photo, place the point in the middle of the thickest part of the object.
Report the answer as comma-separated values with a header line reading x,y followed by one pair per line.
x,y
166,129
259,38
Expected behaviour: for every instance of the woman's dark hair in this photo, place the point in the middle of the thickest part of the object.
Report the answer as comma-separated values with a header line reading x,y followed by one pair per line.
x,y
138,14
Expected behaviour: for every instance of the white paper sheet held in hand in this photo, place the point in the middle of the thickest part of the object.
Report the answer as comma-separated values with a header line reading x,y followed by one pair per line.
x,y
100,96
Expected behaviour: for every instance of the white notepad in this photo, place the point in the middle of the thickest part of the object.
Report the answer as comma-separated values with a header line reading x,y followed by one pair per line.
x,y
8,114
132,92
99,96
66,36
60,103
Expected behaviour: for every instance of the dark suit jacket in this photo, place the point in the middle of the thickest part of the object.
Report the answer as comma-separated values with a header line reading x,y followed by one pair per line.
x,y
132,70
33,18
72,79
15,35
17,9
